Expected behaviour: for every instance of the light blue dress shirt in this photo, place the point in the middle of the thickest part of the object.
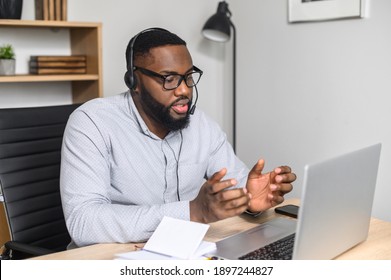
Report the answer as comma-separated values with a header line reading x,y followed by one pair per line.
x,y
118,179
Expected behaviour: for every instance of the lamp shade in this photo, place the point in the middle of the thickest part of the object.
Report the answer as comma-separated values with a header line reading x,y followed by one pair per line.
x,y
218,26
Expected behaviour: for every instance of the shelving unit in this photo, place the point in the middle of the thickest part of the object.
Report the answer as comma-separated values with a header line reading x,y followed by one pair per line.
x,y
85,39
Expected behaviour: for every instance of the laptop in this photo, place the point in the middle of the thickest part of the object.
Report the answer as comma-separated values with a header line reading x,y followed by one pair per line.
x,y
334,215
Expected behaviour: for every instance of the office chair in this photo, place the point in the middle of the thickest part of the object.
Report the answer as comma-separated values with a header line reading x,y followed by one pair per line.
x,y
30,154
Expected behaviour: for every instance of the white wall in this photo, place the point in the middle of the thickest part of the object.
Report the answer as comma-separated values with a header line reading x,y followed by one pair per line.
x,y
309,91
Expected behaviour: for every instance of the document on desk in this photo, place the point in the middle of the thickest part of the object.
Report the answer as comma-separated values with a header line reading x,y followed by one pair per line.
x,y
174,239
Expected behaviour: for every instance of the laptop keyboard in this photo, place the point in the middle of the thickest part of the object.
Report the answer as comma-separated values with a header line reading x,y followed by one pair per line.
x,y
279,250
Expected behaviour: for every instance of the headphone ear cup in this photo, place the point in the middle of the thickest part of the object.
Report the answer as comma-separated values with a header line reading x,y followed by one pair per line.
x,y
133,80
130,81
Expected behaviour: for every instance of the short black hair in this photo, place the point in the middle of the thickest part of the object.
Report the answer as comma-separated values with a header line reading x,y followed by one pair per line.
x,y
147,40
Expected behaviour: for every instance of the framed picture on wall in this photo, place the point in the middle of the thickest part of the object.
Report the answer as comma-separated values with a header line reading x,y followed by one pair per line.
x,y
319,10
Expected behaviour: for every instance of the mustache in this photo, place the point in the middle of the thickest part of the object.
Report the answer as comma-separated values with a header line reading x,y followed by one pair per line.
x,y
179,99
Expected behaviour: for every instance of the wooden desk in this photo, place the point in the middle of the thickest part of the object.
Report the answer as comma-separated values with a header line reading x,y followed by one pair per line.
x,y
377,246
4,230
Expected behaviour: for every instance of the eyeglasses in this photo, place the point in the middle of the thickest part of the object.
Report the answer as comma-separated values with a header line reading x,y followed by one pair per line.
x,y
172,81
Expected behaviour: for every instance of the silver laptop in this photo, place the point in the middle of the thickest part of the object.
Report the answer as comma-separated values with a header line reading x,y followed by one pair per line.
x,y
334,215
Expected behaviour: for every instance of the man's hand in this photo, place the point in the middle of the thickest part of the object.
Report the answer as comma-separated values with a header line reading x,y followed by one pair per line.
x,y
268,190
215,202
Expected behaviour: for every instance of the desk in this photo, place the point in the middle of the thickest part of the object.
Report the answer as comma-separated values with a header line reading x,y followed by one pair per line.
x,y
377,246
4,231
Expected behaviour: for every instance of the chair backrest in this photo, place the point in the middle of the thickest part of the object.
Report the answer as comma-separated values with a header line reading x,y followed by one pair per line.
x,y
30,156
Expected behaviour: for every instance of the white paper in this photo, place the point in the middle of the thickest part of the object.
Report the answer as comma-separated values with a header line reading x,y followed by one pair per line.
x,y
142,255
174,239
204,248
177,238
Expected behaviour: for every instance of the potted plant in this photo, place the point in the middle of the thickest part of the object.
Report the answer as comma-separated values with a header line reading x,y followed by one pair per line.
x,y
7,60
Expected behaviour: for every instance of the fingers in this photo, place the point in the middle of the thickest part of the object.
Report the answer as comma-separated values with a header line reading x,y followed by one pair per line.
x,y
284,175
282,182
278,191
216,177
285,178
215,184
281,188
277,199
221,186
209,208
233,198
258,167
282,169
229,199
230,203
216,201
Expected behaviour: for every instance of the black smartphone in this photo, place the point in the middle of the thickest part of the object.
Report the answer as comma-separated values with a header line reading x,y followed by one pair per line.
x,y
288,210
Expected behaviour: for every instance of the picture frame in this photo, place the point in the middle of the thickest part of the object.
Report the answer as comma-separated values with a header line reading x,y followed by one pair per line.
x,y
322,10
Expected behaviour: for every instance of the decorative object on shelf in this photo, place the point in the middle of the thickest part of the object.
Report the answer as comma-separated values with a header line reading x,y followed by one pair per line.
x,y
58,64
51,10
11,9
218,28
7,60
323,10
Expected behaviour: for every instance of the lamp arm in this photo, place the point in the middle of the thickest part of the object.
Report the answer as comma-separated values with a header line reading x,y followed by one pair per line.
x,y
233,87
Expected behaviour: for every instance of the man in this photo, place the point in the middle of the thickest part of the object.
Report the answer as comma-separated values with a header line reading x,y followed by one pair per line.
x,y
130,159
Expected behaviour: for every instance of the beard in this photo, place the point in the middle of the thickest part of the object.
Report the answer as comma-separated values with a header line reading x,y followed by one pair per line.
x,y
161,114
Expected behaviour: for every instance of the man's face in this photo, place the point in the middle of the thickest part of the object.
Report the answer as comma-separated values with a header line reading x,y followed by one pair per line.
x,y
162,107
161,113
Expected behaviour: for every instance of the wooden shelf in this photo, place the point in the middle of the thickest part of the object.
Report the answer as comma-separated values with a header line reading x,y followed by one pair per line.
x,y
47,23
47,78
85,39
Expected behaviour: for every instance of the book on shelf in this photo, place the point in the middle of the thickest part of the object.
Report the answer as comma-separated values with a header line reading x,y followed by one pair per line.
x,y
45,9
39,9
47,71
57,64
57,58
64,10
51,9
42,9
57,10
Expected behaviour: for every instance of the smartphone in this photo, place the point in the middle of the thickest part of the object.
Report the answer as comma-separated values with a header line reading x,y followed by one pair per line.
x,y
288,210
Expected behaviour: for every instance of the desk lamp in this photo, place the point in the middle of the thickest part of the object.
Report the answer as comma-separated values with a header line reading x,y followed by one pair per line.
x,y
218,28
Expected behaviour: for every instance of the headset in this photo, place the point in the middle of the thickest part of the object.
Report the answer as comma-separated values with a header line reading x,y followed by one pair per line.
x,y
130,79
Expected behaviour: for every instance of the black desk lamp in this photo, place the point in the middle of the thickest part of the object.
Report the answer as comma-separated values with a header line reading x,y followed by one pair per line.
x,y
218,28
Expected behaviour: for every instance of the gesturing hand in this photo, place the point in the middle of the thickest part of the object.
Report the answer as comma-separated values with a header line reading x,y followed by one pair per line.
x,y
268,190
216,202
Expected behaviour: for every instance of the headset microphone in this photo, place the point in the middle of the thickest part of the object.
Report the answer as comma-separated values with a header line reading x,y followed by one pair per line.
x,y
193,107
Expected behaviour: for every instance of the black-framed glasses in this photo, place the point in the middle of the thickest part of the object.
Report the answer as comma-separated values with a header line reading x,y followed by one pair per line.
x,y
172,81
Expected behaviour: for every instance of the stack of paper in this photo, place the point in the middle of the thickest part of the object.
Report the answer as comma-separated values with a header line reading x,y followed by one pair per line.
x,y
174,239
